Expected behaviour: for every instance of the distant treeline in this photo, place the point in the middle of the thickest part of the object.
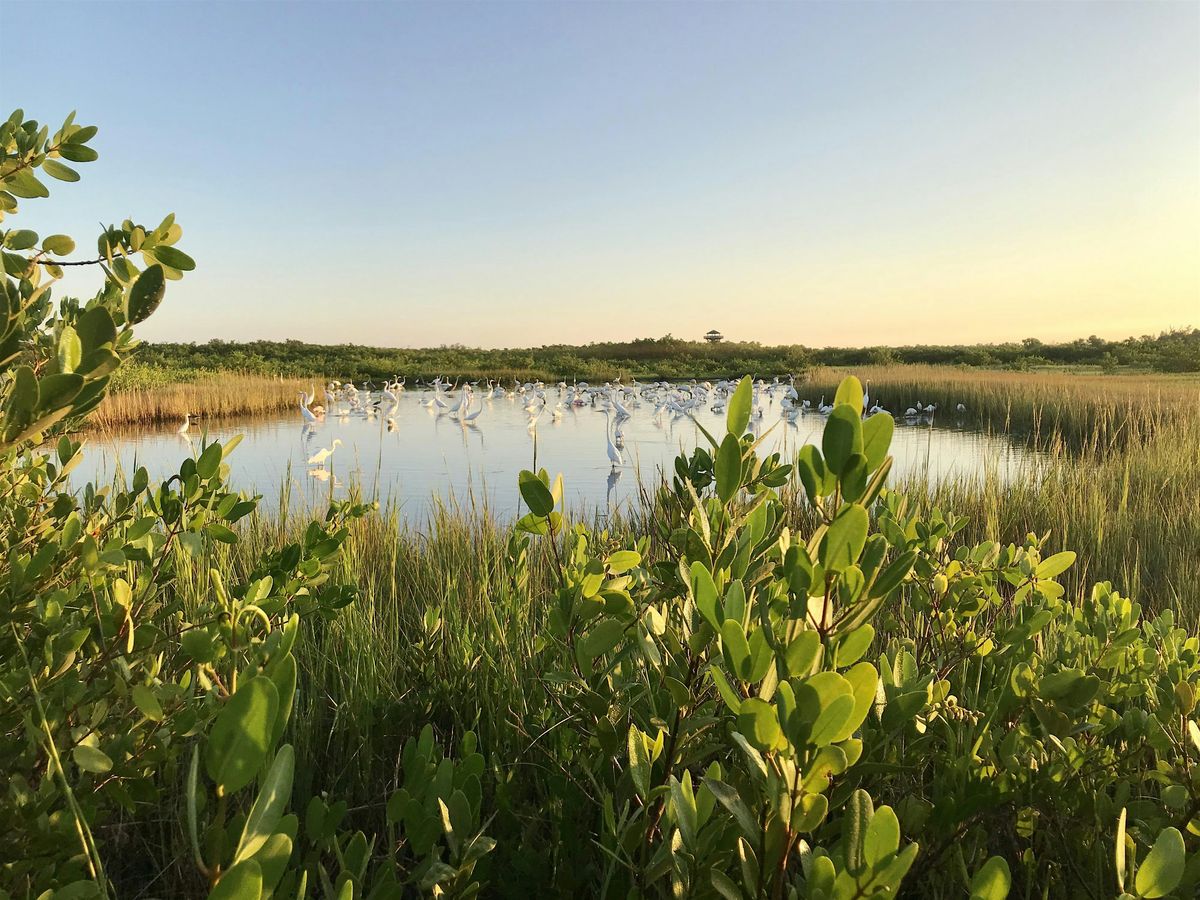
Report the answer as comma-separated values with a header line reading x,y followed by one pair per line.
x,y
654,358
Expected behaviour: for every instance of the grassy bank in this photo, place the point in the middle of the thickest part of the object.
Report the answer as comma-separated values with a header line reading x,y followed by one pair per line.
x,y
1132,516
149,401
1117,479
1090,412
1085,411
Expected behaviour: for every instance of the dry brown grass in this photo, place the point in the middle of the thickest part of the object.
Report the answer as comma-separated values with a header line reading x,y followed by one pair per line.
x,y
226,395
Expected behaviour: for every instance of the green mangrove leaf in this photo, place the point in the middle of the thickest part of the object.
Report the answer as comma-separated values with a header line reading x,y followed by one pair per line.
x,y
736,649
269,806
759,724
802,653
818,481
1055,565
845,539
241,734
843,437
1162,869
147,703
145,295
877,438
92,759
705,592
737,416
850,393
992,881
243,881
174,258
882,837
729,467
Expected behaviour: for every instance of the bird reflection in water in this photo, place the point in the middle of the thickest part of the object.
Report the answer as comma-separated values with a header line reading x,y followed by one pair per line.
x,y
614,476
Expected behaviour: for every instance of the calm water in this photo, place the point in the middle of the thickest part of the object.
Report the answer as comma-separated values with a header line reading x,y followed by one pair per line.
x,y
417,454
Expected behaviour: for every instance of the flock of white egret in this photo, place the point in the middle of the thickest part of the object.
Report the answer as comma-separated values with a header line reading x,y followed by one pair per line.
x,y
618,402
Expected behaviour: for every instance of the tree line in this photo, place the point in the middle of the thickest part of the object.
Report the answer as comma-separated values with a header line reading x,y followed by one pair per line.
x,y
658,358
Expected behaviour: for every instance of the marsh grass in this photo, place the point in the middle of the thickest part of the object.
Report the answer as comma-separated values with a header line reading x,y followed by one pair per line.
x,y
1083,412
1117,480
453,585
452,611
227,395
1133,517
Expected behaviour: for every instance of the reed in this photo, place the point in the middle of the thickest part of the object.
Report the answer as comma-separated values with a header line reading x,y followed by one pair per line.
x,y
225,395
1132,516
1117,478
1082,411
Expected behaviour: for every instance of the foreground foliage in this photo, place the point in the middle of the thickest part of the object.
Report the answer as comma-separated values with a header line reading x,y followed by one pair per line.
x,y
735,702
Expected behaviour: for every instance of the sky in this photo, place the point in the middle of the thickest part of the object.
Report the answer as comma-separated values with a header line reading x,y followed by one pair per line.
x,y
517,174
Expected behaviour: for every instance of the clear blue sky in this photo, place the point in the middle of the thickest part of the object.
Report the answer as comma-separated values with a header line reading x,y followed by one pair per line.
x,y
524,173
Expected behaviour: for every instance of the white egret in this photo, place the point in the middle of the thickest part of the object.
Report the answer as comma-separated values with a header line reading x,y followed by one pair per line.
x,y
472,416
617,405
305,412
318,458
614,455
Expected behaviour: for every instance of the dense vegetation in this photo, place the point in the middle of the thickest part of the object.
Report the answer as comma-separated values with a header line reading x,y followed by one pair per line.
x,y
648,359
776,678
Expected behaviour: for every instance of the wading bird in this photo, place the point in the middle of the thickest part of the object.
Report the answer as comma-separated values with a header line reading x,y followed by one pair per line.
x,y
305,412
318,458
614,455
472,416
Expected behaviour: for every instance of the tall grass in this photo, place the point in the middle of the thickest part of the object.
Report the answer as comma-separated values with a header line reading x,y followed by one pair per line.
x,y
1084,412
1133,517
225,395
447,627
1116,479
450,616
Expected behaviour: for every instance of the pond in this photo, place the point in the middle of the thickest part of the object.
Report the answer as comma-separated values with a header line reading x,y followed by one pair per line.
x,y
411,455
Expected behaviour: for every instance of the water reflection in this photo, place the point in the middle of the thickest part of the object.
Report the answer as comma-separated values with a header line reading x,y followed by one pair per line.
x,y
413,450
